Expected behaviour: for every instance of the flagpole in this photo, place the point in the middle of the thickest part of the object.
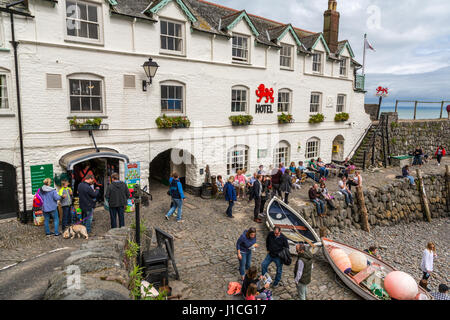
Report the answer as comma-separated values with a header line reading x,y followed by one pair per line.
x,y
364,55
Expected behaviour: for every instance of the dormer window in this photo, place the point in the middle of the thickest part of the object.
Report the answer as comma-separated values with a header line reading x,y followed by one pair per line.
x,y
286,56
171,36
317,62
240,48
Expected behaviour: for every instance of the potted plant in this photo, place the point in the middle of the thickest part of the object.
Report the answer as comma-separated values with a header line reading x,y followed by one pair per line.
x,y
341,117
74,123
241,120
165,122
316,118
285,118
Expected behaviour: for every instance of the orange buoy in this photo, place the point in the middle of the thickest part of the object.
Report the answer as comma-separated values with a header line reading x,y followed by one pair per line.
x,y
401,286
341,259
358,261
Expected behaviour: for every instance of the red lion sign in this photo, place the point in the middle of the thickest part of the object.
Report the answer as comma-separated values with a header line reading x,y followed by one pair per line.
x,y
264,92
382,91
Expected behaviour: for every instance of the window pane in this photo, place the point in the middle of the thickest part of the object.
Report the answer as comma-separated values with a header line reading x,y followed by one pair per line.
x,y
96,104
178,44
170,44
163,92
93,31
83,32
163,42
83,11
163,27
171,29
178,30
74,104
85,87
179,92
172,92
71,27
85,104
70,9
92,13
74,87
95,88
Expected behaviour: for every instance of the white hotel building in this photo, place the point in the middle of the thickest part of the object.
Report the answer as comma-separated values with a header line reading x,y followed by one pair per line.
x,y
84,58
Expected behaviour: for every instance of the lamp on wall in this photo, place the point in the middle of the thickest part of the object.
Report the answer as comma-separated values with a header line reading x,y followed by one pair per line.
x,y
150,68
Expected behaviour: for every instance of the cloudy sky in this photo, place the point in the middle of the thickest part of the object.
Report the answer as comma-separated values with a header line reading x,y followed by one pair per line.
x,y
411,38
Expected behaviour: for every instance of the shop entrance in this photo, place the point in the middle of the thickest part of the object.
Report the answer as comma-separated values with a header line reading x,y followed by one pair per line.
x,y
8,191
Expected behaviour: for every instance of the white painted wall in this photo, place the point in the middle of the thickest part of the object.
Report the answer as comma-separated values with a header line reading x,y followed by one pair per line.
x,y
131,113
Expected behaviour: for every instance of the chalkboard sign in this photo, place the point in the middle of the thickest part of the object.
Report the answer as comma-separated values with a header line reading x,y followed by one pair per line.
x,y
38,174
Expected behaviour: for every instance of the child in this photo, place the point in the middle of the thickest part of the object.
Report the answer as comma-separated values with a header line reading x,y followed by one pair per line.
x,y
251,292
66,202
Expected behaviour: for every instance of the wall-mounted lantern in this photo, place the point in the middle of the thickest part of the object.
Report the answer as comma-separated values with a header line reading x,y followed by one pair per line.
x,y
150,68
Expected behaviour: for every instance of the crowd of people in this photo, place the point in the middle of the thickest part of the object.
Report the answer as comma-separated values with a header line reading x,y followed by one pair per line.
x,y
419,159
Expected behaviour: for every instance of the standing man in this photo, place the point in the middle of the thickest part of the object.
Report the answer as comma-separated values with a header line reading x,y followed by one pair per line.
x,y
87,200
256,194
230,196
302,270
286,185
117,195
276,181
50,204
275,243
176,192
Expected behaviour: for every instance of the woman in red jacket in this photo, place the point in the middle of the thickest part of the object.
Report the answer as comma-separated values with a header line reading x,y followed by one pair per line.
x,y
440,152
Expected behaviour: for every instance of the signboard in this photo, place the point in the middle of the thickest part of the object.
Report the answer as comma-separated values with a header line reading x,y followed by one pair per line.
x,y
266,93
38,174
262,153
132,177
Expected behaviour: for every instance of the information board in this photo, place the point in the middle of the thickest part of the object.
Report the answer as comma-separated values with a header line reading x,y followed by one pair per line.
x,y
38,174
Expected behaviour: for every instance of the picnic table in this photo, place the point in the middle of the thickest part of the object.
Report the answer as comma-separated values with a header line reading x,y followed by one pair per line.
x,y
401,160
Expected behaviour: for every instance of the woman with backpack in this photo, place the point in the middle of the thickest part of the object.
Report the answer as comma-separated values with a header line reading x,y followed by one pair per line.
x,y
50,202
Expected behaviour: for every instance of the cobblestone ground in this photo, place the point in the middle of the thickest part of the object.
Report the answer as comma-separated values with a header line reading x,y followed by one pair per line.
x,y
205,245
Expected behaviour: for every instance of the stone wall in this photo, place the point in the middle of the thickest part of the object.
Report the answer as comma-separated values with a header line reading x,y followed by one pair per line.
x,y
403,136
394,203
101,267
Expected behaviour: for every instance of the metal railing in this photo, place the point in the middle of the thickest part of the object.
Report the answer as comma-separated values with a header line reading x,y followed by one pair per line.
x,y
425,102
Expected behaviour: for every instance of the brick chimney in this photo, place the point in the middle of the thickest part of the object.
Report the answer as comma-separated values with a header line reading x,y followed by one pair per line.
x,y
331,26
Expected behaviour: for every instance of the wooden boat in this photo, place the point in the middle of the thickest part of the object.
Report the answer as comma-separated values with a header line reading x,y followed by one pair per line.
x,y
292,224
361,282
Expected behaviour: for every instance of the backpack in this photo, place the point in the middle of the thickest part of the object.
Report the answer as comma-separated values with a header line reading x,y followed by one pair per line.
x,y
285,256
37,200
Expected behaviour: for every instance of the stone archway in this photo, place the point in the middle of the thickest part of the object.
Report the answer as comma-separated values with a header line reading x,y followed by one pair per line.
x,y
180,161
338,148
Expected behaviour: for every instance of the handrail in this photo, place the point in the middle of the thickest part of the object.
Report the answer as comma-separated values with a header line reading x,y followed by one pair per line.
x,y
358,143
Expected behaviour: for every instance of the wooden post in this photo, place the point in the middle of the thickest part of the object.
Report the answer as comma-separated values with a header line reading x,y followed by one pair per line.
x,y
384,147
423,195
447,182
442,109
363,209
364,161
387,142
415,110
396,105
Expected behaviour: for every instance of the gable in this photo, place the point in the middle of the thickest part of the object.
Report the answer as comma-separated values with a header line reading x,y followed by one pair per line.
x,y
346,50
321,45
290,37
172,9
241,19
242,27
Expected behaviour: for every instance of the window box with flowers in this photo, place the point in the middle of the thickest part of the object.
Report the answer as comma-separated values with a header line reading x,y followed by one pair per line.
x,y
88,124
316,118
166,122
341,117
241,120
285,118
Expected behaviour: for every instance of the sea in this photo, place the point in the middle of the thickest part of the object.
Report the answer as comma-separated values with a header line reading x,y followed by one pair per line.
x,y
423,112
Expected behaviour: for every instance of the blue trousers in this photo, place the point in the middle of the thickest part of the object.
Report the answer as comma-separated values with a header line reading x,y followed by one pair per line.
x,y
230,208
319,205
55,216
245,262
265,264
324,172
176,203
66,218
89,215
348,196
411,179
115,212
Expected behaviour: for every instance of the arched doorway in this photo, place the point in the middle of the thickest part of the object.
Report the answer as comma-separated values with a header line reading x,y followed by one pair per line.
x,y
180,161
338,148
8,191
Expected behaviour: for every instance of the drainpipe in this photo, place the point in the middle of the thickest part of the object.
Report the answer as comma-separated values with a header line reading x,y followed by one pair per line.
x,y
23,216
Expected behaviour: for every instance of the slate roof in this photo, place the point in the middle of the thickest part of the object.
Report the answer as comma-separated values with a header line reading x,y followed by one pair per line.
x,y
132,8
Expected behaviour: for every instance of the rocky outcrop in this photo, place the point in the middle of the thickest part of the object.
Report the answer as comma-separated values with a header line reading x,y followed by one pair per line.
x,y
95,272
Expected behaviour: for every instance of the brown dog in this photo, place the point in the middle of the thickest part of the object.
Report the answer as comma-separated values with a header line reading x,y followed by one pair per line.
x,y
77,229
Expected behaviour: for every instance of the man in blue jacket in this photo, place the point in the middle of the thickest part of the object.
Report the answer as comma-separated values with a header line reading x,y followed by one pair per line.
x,y
176,192
230,195
88,198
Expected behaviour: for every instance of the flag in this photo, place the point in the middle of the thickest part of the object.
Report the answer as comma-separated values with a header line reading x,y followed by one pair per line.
x,y
368,45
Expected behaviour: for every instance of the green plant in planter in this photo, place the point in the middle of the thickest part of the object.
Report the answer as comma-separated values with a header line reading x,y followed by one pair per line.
x,y
172,122
74,122
285,118
340,117
316,118
241,119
